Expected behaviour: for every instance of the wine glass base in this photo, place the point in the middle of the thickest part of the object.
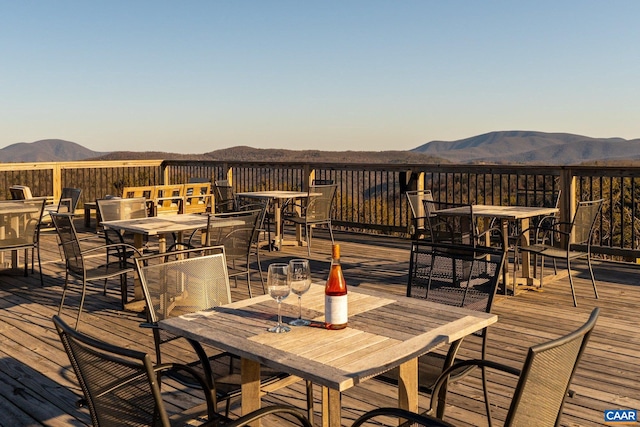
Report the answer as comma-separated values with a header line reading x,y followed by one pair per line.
x,y
279,328
300,322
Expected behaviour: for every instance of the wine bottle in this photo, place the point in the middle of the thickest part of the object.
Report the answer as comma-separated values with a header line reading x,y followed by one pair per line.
x,y
335,294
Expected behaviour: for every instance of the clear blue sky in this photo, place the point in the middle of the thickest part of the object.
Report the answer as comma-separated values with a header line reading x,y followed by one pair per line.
x,y
195,76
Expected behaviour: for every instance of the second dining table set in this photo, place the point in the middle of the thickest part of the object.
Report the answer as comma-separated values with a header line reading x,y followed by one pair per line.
x,y
337,360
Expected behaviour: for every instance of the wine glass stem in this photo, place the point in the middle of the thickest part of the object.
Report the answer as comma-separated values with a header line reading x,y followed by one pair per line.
x,y
279,317
299,306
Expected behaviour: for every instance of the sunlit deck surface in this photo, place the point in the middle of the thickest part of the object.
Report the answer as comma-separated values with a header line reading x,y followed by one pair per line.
x,y
37,386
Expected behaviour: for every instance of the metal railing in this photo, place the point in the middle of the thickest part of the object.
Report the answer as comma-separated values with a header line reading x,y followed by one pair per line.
x,y
369,197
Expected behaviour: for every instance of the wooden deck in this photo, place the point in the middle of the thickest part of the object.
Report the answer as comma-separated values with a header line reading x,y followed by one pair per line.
x,y
37,386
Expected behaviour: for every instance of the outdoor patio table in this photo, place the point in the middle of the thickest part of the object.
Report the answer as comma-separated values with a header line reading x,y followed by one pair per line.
x,y
384,332
161,226
277,198
508,214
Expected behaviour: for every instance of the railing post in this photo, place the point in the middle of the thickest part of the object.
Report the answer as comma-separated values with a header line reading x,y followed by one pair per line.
x,y
57,181
308,175
568,196
229,173
164,171
411,181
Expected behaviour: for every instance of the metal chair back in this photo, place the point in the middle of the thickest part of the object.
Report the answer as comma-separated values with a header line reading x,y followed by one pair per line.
x,y
69,242
19,228
120,385
455,227
318,209
69,199
238,239
584,221
20,192
117,209
19,221
183,282
546,375
416,201
456,275
225,199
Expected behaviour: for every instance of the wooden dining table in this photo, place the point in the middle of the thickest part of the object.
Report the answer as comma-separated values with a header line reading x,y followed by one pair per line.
x,y
276,200
507,214
161,226
384,332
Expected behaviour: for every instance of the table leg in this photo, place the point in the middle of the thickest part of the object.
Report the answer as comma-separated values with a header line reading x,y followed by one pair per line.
x,y
2,236
526,257
504,228
331,408
277,215
138,242
87,216
15,225
250,377
408,386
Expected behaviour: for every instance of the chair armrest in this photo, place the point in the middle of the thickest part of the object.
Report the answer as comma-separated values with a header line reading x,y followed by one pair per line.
x,y
206,390
149,325
493,231
112,245
444,377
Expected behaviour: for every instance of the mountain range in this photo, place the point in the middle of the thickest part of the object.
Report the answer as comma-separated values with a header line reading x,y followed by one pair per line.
x,y
502,147
530,147
46,150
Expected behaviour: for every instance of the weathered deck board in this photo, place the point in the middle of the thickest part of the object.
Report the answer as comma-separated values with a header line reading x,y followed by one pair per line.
x,y
37,386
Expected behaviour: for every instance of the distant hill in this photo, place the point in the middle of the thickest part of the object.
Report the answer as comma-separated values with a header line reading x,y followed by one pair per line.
x,y
513,147
505,147
46,150
274,154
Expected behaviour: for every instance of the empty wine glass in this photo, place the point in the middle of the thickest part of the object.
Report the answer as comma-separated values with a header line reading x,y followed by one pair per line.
x,y
279,289
299,278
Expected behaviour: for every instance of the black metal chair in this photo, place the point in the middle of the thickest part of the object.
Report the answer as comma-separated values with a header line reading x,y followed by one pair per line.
x,y
415,199
225,199
115,209
121,387
78,265
454,223
554,240
68,203
455,275
543,382
183,282
315,211
239,241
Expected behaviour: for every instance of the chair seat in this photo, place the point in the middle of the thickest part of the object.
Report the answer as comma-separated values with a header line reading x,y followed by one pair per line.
x,y
552,251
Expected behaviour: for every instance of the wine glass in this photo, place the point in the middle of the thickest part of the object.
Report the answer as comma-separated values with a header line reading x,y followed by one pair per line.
x,y
299,278
279,289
